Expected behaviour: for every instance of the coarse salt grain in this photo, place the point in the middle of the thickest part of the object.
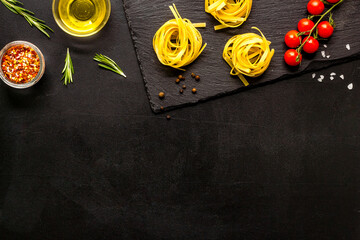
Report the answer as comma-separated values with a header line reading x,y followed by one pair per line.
x,y
342,76
325,46
320,79
328,56
332,74
331,78
350,86
323,54
348,47
313,75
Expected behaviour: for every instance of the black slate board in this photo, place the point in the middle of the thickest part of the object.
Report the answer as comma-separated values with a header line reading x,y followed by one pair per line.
x,y
273,18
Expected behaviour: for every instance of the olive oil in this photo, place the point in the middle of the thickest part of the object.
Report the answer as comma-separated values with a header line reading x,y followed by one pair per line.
x,y
82,16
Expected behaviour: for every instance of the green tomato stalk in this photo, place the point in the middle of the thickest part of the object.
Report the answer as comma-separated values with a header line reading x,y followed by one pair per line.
x,y
299,49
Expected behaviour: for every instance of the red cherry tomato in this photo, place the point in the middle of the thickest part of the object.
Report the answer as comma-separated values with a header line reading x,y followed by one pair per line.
x,y
315,7
290,57
325,30
292,40
332,1
305,25
311,46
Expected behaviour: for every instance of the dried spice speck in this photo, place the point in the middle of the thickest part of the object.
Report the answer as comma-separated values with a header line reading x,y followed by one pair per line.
x,y
181,91
161,95
193,75
168,117
162,108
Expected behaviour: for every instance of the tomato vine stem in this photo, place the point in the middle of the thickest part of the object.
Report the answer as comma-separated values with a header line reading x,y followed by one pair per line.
x,y
312,30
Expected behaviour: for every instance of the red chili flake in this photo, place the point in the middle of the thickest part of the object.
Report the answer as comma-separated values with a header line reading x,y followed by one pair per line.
x,y
20,64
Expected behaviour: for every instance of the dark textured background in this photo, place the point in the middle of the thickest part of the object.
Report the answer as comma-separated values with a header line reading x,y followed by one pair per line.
x,y
273,18
91,161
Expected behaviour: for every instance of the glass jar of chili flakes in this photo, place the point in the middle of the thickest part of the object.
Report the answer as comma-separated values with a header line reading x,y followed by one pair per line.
x,y
21,64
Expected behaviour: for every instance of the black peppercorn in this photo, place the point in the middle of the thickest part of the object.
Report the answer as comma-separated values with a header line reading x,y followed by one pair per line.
x,y
184,86
168,117
177,80
161,95
194,90
193,75
181,91
197,78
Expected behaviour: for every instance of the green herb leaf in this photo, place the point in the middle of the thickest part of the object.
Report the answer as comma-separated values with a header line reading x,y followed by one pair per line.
x,y
68,69
109,64
14,6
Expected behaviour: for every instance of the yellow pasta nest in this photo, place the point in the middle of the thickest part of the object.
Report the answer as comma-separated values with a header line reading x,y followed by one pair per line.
x,y
178,43
230,13
248,54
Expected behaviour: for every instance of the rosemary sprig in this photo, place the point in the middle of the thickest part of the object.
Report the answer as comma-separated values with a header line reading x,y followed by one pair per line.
x,y
109,64
15,7
68,70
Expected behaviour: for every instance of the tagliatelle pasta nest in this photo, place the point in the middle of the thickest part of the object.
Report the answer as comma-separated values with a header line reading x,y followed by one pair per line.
x,y
230,13
178,43
248,54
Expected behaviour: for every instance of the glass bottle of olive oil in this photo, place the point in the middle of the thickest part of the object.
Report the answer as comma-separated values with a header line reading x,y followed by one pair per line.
x,y
83,16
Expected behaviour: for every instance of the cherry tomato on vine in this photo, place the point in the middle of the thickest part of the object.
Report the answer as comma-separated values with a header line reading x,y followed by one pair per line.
x,y
325,30
292,40
305,25
315,7
311,46
332,1
290,57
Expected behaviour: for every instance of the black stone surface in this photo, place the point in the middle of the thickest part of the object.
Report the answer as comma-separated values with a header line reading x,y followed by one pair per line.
x,y
92,162
274,18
